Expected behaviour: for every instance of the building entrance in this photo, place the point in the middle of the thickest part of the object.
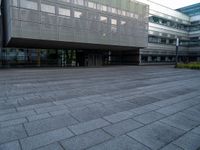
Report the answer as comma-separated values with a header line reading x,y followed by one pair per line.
x,y
95,60
12,57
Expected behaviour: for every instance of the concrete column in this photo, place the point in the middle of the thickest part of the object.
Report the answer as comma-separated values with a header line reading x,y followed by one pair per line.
x,y
149,58
140,58
38,57
0,57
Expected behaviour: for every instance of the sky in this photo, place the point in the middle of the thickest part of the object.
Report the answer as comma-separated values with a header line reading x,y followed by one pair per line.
x,y
174,4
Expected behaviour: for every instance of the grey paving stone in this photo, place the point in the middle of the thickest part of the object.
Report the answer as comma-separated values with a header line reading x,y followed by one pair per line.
x,y
86,114
180,121
149,117
101,109
35,101
189,141
122,127
43,139
177,107
48,124
12,122
80,103
10,146
7,111
88,126
177,99
196,108
103,91
196,130
163,95
59,112
38,117
86,140
156,135
50,109
29,107
6,106
192,114
54,146
11,133
144,109
120,143
16,115
124,106
144,100
171,147
119,116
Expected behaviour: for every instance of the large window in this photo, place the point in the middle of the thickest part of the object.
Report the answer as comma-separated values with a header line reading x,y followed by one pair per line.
x,y
29,4
77,14
103,8
79,2
48,8
169,23
113,25
104,19
14,3
64,12
92,5
65,1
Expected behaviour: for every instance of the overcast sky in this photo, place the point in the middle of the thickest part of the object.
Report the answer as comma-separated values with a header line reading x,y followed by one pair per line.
x,y
174,4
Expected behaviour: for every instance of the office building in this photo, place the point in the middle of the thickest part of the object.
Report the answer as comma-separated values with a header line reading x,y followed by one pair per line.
x,y
74,33
165,26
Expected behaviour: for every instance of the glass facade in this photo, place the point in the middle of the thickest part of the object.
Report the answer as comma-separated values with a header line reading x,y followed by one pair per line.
x,y
167,41
153,59
195,26
15,57
192,10
168,23
157,59
164,39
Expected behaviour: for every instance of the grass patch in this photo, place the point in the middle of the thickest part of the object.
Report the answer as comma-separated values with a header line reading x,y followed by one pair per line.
x,y
193,65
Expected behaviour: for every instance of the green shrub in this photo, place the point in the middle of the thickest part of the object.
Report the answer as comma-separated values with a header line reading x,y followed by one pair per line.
x,y
193,65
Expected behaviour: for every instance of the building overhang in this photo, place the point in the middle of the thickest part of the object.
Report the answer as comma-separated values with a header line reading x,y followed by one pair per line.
x,y
45,44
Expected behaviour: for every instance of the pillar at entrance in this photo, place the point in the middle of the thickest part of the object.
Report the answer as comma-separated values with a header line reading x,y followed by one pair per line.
x,y
38,57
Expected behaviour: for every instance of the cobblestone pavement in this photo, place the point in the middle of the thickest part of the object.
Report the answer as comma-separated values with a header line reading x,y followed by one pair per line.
x,y
113,108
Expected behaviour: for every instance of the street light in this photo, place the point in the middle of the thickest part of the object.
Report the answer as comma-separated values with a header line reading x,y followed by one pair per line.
x,y
177,46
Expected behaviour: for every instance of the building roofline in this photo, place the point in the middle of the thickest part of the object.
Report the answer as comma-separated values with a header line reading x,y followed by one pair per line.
x,y
168,7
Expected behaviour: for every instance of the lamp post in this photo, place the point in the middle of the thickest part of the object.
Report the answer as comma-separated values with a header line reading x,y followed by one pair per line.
x,y
177,46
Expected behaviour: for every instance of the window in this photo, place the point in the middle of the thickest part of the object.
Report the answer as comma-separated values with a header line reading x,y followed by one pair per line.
x,y
128,14
114,25
123,22
103,8
103,19
29,4
123,13
48,8
132,15
92,5
77,14
113,21
14,3
64,12
114,29
79,2
114,10
65,1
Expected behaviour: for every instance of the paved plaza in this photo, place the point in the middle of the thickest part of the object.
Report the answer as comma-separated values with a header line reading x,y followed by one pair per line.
x,y
111,108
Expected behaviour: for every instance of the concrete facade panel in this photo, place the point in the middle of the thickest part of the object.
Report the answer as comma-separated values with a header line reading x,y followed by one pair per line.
x,y
114,23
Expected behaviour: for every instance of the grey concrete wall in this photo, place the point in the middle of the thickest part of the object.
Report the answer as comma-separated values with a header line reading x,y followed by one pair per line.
x,y
27,24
